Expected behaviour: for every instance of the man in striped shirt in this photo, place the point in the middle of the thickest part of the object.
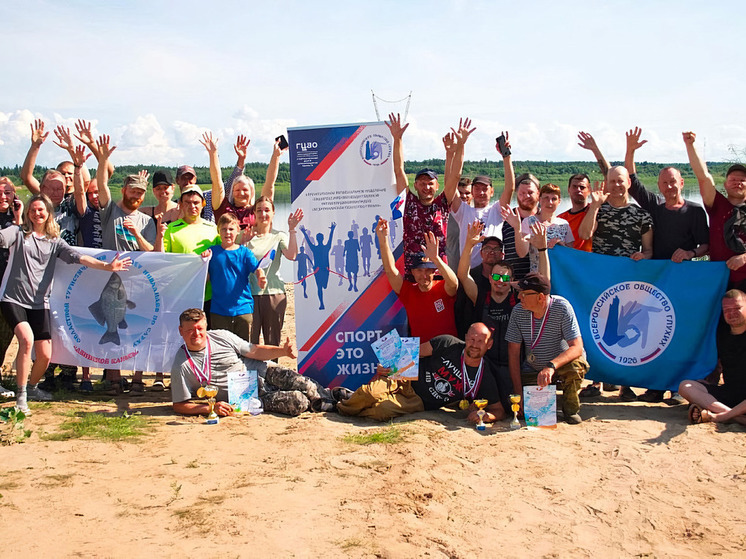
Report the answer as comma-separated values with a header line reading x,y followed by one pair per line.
x,y
545,325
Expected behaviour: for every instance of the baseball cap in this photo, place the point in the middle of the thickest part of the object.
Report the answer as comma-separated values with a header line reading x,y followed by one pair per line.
x,y
422,261
734,168
493,240
162,177
192,189
184,170
484,179
536,282
429,172
134,181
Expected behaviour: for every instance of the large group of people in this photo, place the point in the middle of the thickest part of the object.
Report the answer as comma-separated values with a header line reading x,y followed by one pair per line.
x,y
475,281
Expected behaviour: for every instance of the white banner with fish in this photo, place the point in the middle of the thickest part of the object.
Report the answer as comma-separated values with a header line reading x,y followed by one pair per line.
x,y
124,320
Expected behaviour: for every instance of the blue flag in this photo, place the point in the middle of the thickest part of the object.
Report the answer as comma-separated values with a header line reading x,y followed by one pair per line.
x,y
649,323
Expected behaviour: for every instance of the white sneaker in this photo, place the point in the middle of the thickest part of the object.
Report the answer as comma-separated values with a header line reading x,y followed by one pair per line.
x,y
24,408
36,393
5,393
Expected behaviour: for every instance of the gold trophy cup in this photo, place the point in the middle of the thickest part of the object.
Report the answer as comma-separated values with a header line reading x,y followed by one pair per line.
x,y
515,405
209,391
481,404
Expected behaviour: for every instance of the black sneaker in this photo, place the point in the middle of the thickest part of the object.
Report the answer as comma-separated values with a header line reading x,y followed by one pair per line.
x,y
48,384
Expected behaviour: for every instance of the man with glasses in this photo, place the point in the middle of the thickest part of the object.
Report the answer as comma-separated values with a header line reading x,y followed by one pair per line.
x,y
546,328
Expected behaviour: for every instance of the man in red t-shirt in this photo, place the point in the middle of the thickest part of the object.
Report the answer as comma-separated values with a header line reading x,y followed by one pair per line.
x,y
428,302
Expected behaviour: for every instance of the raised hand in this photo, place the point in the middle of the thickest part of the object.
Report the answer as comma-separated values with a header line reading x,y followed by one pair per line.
x,y
599,194
79,156
295,218
241,147
84,133
539,235
463,132
507,143
64,140
689,138
633,139
103,146
395,126
474,233
382,229
143,176
210,143
587,141
449,142
511,216
430,248
37,132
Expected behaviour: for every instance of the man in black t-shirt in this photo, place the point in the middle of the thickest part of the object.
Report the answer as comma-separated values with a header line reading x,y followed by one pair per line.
x,y
727,401
450,371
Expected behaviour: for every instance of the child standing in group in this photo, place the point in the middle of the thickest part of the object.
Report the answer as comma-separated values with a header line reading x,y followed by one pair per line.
x,y
230,267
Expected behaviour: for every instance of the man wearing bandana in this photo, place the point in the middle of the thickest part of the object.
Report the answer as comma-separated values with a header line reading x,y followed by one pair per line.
x,y
546,327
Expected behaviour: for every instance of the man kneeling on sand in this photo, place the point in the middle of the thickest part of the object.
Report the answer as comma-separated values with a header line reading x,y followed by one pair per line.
x,y
208,357
450,371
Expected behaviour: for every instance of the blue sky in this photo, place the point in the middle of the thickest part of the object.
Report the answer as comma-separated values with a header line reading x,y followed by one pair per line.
x,y
155,75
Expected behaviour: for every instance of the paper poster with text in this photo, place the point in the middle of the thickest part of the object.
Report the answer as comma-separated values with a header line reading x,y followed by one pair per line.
x,y
124,320
342,177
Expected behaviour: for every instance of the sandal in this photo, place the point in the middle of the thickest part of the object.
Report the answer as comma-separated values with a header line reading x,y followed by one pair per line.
x,y
695,414
158,386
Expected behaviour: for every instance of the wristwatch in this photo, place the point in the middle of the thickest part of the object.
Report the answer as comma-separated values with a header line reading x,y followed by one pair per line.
x,y
551,366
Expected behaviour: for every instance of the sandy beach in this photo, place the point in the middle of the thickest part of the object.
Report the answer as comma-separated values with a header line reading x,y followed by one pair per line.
x,y
633,480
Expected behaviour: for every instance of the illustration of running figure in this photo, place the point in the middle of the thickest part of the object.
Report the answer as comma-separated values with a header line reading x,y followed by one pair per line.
x,y
320,253
366,243
338,252
305,263
352,263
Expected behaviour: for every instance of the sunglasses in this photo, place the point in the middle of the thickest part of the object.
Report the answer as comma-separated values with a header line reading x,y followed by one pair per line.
x,y
501,277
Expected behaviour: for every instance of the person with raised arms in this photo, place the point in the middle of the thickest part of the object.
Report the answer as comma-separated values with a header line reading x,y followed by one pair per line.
x,y
727,213
237,195
427,211
35,248
429,303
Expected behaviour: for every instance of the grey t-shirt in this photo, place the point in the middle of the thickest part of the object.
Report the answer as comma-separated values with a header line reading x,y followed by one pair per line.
x,y
116,236
226,355
29,276
561,327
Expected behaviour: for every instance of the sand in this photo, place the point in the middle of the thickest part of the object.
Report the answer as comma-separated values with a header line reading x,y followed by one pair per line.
x,y
633,480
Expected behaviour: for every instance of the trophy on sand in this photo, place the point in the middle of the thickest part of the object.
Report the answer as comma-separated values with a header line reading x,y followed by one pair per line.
x,y
209,391
515,405
481,404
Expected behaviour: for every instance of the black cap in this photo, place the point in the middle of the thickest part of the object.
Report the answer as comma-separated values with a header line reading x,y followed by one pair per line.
x,y
536,282
736,167
493,239
421,261
429,172
162,177
484,179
